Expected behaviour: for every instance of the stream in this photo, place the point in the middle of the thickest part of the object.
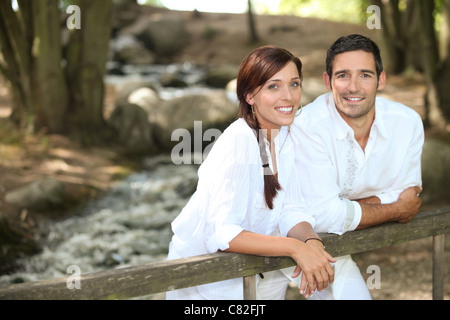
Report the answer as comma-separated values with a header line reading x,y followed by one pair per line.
x,y
130,225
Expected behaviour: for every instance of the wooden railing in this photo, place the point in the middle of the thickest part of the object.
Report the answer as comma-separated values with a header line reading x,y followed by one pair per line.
x,y
136,281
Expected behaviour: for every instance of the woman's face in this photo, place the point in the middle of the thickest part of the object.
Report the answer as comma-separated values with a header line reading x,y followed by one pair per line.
x,y
276,102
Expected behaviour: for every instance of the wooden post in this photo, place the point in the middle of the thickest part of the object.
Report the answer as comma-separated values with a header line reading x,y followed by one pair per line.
x,y
250,287
438,267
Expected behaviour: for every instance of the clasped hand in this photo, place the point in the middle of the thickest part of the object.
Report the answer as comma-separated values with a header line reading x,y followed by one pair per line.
x,y
314,266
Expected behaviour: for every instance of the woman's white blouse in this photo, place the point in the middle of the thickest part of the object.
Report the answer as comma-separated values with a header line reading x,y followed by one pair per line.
x,y
230,195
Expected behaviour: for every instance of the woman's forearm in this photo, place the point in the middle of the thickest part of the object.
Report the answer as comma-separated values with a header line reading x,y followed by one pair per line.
x,y
311,259
262,245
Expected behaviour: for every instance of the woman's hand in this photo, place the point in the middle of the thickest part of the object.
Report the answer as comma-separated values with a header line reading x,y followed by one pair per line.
x,y
310,257
314,261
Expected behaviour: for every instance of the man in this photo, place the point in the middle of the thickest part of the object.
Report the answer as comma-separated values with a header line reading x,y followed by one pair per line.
x,y
358,155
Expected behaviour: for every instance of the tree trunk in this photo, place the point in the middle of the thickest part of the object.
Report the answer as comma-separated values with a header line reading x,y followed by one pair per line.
x,y
252,25
445,31
393,34
87,55
442,77
49,83
16,64
430,58
60,95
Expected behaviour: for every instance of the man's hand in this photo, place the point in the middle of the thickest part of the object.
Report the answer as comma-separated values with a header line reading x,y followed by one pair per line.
x,y
409,204
403,210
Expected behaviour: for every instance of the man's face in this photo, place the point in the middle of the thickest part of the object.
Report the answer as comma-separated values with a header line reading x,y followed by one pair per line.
x,y
354,84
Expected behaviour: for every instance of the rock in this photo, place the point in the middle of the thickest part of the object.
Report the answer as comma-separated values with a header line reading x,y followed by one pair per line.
x,y
124,13
219,77
172,80
145,98
435,172
212,110
128,50
163,35
126,88
230,90
134,130
187,188
39,195
13,244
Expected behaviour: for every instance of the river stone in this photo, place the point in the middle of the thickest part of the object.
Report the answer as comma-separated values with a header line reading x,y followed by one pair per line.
x,y
128,50
39,195
134,131
163,35
145,98
219,77
196,112
435,171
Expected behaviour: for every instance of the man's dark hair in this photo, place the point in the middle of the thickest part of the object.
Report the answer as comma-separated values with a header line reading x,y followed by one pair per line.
x,y
353,42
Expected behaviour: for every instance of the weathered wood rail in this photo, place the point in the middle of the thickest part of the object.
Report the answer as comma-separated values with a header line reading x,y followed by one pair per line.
x,y
158,277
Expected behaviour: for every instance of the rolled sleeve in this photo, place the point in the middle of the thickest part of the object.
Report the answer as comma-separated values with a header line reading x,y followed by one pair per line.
x,y
290,220
353,217
388,197
336,215
221,239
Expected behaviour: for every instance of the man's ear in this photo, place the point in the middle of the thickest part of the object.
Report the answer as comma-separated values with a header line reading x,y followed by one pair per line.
x,y
381,80
327,81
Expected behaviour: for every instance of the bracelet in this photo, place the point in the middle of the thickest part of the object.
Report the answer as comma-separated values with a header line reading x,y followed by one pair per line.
x,y
318,239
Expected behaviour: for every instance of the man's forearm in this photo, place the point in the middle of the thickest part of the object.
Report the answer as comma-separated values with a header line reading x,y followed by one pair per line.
x,y
375,214
403,210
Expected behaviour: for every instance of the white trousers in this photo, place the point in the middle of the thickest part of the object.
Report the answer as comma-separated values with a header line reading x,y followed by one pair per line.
x,y
348,283
273,286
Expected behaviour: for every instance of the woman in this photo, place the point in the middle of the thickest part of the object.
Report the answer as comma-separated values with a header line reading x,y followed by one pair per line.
x,y
247,190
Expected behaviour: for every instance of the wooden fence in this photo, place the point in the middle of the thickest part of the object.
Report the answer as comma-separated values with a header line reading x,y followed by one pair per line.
x,y
136,281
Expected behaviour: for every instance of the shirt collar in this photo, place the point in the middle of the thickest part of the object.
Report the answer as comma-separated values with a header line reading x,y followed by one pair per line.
x,y
342,128
379,123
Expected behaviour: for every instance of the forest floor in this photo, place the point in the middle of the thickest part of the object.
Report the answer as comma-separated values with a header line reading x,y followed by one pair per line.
x,y
215,39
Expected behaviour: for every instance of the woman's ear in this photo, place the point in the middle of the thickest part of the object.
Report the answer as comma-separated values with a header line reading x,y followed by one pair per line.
x,y
249,99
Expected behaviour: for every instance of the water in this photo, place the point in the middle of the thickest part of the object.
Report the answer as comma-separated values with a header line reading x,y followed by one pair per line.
x,y
131,224
128,226
189,74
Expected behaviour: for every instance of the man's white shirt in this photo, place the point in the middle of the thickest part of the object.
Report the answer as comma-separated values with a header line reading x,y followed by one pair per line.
x,y
334,171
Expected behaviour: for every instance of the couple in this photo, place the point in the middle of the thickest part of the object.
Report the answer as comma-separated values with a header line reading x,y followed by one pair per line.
x,y
347,161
